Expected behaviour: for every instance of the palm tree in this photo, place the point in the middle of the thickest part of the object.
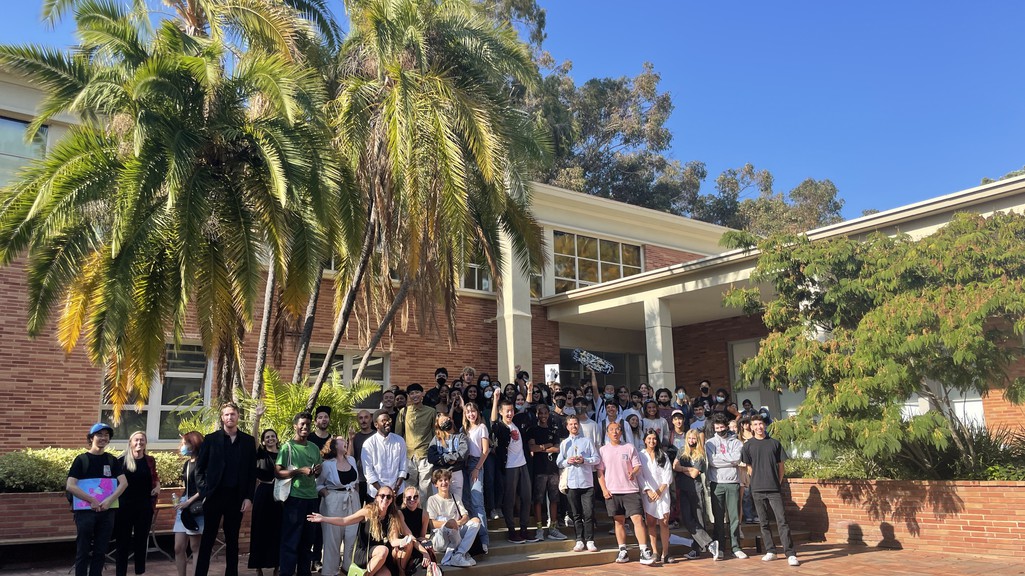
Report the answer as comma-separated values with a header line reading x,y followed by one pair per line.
x,y
184,178
426,122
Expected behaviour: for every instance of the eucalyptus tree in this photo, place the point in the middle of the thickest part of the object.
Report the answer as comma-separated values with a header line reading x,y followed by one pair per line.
x,y
193,165
427,123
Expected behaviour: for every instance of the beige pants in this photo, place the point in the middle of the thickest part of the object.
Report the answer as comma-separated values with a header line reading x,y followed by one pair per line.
x,y
338,503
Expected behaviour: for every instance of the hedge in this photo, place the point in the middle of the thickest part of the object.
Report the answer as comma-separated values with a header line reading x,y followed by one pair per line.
x,y
46,470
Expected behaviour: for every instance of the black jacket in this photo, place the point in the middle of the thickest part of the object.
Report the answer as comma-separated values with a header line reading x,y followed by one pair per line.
x,y
210,464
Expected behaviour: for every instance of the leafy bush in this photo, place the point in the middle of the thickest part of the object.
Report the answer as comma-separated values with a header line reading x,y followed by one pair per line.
x,y
46,469
844,465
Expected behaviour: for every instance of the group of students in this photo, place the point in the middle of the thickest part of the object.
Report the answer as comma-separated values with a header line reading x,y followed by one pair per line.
x,y
469,451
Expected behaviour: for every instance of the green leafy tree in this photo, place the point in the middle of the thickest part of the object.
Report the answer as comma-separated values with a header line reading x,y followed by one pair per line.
x,y
862,325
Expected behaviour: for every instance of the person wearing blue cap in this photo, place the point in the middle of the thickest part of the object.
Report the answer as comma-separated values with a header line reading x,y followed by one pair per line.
x,y
95,482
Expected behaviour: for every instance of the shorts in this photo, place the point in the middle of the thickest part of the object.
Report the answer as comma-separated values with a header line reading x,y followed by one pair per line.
x,y
546,484
180,528
625,505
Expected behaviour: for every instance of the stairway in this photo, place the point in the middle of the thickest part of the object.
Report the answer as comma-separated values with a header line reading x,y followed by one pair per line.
x,y
506,559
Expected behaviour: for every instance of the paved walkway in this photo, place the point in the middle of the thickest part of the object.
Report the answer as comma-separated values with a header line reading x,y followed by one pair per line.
x,y
821,559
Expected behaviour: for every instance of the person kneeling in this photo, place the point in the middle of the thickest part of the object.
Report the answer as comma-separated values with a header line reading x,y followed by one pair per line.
x,y
455,530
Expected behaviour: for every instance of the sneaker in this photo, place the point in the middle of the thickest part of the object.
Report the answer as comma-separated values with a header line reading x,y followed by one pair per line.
x,y
538,536
612,531
739,554
769,557
750,521
591,547
484,547
554,534
667,559
647,558
692,555
579,547
446,560
714,549
567,521
793,561
495,515
465,560
674,525
515,537
623,557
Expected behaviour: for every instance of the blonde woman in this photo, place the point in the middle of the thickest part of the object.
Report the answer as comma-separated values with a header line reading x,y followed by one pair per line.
x,y
384,543
478,448
690,467
337,485
135,508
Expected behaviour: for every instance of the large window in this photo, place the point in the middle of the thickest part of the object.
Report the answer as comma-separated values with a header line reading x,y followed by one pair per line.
x,y
478,277
187,374
14,151
585,260
346,363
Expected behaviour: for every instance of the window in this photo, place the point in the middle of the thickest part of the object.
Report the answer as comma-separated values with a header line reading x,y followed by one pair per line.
x,y
628,369
187,372
583,261
346,363
478,277
14,151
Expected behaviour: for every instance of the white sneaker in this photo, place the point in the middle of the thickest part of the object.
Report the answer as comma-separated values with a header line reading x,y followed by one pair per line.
x,y
462,560
793,561
567,521
579,547
554,534
647,558
740,554
591,547
446,560
495,515
769,557
623,556
714,549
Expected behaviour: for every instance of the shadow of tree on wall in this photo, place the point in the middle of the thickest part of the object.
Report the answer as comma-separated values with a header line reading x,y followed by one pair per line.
x,y
900,501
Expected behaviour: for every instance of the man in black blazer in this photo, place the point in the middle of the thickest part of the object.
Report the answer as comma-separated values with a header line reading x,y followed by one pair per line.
x,y
226,474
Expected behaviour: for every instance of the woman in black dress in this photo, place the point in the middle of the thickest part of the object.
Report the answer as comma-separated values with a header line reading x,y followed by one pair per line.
x,y
136,505
265,535
384,543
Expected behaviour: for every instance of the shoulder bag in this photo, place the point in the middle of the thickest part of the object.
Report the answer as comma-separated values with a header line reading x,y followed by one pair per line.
x,y
196,508
283,486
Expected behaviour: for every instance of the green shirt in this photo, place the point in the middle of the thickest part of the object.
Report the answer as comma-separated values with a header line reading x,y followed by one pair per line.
x,y
416,426
295,455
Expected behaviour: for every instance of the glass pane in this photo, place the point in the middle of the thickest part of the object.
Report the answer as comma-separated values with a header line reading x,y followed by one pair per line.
x,y
632,255
588,270
9,166
470,278
563,244
186,359
565,267
12,140
609,272
485,280
630,271
176,389
587,247
317,360
564,285
609,251
131,422
373,371
535,286
169,424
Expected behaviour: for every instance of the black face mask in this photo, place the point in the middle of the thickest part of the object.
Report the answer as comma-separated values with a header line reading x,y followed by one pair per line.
x,y
441,380
723,433
446,426
560,402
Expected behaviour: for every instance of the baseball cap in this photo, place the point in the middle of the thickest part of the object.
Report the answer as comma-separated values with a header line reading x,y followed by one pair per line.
x,y
100,426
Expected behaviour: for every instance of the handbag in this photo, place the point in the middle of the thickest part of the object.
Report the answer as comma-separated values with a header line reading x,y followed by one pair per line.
x,y
283,486
354,569
196,508
564,480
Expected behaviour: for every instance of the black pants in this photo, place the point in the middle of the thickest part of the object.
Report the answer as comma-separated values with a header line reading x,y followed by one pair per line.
x,y
581,509
517,487
692,511
297,535
226,504
131,528
94,530
775,501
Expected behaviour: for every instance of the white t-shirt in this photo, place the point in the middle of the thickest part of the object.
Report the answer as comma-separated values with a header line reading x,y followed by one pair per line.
x,y
515,457
475,438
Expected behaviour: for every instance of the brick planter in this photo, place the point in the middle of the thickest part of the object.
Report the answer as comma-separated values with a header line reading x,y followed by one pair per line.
x,y
983,518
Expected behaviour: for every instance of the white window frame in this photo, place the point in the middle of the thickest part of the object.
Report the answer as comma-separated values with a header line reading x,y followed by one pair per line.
x,y
42,136
348,365
576,259
482,280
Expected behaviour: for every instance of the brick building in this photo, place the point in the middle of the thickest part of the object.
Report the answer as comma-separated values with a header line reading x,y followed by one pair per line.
x,y
642,288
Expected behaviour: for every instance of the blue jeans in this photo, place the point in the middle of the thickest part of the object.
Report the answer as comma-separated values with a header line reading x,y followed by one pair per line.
x,y
476,491
493,484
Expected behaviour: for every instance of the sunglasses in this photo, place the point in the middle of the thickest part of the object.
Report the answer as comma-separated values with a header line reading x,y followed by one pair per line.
x,y
412,498
385,496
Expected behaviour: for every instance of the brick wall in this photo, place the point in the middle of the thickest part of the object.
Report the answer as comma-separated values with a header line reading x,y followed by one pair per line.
x,y
544,343
701,350
985,518
656,257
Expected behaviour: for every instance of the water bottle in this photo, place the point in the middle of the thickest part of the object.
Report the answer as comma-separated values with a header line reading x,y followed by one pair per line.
x,y
174,498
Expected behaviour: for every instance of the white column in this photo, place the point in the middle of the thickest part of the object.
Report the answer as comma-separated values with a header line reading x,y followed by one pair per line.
x,y
658,334
513,319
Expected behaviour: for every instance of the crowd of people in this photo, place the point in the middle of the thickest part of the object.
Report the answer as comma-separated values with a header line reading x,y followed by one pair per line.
x,y
421,477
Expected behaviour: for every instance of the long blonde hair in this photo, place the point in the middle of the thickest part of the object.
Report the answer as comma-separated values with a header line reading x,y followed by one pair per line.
x,y
373,519
696,453
129,459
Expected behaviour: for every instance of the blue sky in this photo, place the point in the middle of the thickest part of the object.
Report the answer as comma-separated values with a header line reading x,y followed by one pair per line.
x,y
895,102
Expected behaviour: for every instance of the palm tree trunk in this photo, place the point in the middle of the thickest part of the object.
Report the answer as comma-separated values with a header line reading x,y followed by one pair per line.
x,y
304,340
400,297
261,347
350,301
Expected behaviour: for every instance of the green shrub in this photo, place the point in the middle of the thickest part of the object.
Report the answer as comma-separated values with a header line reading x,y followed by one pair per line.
x,y
46,469
844,465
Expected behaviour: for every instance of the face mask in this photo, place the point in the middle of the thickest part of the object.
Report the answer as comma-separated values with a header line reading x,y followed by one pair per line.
x,y
720,399
723,433
561,402
589,397
692,443
485,383
520,407
680,395
488,393
185,451
700,418
704,390
441,380
609,396
446,426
